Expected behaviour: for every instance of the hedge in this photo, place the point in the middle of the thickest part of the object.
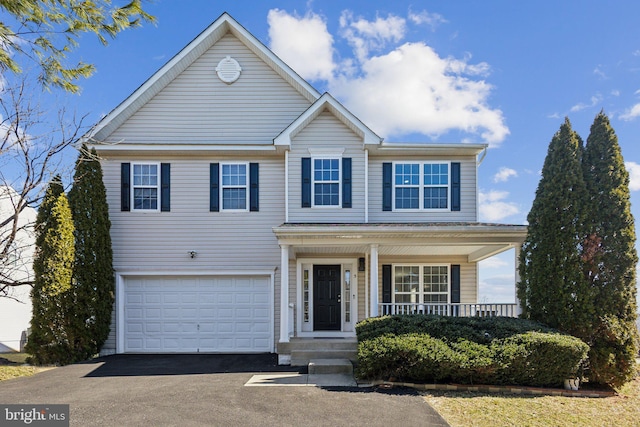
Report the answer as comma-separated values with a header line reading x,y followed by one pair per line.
x,y
500,351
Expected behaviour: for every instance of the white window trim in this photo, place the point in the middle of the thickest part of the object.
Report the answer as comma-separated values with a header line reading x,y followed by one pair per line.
x,y
246,187
421,186
328,156
420,282
133,186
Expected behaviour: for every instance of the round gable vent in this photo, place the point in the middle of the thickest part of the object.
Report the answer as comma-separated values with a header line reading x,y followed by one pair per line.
x,y
228,70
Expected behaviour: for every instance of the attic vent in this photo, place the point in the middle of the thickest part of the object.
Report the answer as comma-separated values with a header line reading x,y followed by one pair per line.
x,y
228,70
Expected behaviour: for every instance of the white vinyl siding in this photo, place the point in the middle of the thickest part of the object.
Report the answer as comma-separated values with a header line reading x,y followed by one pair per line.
x,y
468,210
163,240
196,107
326,132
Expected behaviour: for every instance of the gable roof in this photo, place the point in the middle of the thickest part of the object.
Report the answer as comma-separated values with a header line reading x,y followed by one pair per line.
x,y
218,29
327,102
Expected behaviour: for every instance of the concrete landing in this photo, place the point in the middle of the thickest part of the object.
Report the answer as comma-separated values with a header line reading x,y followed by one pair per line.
x,y
301,380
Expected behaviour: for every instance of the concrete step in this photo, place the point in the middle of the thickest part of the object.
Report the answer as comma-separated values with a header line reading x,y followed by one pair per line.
x,y
303,357
324,344
330,366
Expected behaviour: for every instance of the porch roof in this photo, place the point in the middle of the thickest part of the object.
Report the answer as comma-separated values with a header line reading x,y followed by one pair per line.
x,y
476,241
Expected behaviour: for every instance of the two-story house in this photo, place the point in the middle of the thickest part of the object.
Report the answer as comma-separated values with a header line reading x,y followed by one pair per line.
x,y
251,213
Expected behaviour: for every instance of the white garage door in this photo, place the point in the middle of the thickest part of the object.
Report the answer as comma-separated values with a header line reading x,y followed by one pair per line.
x,y
198,314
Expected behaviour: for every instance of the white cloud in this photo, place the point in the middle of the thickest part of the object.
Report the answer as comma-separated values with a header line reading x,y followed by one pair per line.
x,y
615,92
599,72
497,289
504,174
413,90
424,17
396,88
493,206
304,43
365,36
631,113
493,263
595,100
634,175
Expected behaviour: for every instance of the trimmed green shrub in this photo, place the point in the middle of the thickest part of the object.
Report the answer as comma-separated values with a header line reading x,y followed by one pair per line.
x,y
428,348
538,359
475,329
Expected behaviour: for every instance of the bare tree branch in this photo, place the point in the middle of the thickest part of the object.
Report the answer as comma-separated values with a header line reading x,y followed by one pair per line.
x,y
32,146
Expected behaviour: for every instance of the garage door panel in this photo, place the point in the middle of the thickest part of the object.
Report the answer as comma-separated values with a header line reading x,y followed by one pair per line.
x,y
205,314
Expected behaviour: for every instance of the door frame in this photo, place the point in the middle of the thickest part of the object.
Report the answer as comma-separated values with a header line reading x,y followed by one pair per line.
x,y
347,328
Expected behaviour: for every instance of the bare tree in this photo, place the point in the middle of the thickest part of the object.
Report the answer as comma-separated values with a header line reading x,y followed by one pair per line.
x,y
32,142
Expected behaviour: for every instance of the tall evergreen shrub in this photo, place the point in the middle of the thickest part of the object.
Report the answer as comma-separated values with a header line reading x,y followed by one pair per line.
x,y
93,284
552,289
49,340
610,257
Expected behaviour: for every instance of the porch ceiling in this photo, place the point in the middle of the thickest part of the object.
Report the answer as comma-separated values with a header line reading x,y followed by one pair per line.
x,y
476,241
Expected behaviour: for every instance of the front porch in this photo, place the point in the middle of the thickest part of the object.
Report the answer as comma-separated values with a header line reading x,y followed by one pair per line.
x,y
335,275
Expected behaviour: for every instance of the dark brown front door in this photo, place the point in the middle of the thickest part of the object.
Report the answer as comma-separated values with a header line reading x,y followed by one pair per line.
x,y
326,297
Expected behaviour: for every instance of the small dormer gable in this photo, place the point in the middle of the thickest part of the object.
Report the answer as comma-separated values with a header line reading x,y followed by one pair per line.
x,y
327,103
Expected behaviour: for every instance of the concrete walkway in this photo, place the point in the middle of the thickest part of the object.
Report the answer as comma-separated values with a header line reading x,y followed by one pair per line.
x,y
299,380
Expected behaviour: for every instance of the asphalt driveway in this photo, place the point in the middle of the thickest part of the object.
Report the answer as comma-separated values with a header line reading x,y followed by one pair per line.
x,y
208,390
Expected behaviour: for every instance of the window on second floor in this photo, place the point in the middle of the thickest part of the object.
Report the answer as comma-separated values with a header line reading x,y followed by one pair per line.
x,y
234,186
326,182
421,185
145,186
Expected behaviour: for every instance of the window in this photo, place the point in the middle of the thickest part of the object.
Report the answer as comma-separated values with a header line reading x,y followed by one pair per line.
x,y
145,186
326,182
421,186
234,186
421,284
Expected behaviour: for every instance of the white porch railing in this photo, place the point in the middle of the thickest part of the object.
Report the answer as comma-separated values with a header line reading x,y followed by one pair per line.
x,y
453,310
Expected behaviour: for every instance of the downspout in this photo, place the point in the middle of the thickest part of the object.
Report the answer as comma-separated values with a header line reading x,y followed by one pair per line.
x,y
286,186
366,186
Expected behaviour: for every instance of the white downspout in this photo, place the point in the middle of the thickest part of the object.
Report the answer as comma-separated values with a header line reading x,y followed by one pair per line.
x,y
286,186
366,186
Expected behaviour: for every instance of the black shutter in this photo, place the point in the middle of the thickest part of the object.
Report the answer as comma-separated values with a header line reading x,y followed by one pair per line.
x,y
125,187
306,182
387,187
455,284
386,284
165,187
254,184
214,188
346,182
455,186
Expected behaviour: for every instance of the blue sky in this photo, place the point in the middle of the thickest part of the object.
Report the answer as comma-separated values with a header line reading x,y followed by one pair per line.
x,y
505,73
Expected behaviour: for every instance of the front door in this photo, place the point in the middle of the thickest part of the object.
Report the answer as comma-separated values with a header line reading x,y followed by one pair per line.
x,y
326,297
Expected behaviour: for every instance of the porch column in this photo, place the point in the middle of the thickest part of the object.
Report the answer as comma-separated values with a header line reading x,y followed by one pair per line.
x,y
284,293
374,281
517,277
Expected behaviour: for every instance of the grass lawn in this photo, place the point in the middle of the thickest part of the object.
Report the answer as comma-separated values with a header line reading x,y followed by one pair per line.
x,y
496,410
12,365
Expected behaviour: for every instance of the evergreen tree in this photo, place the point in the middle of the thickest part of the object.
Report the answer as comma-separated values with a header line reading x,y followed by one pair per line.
x,y
610,258
93,290
552,288
53,265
